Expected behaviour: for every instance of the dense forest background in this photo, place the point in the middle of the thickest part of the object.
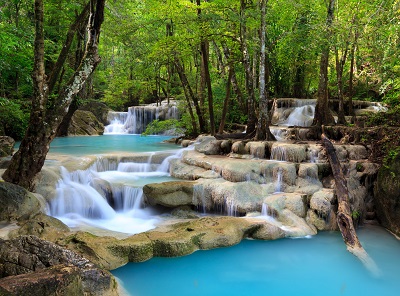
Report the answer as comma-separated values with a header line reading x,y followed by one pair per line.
x,y
208,55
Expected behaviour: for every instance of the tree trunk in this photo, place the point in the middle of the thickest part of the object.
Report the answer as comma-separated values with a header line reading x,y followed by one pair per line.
x,y
339,80
344,219
323,115
263,132
226,101
351,76
43,124
204,50
235,85
190,95
251,121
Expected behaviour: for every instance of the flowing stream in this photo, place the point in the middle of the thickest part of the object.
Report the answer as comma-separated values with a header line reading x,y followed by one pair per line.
x,y
109,195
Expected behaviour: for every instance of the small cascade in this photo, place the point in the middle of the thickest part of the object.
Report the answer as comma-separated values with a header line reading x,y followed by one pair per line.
x,y
76,196
107,194
279,180
293,112
116,120
264,209
301,116
127,198
231,208
199,198
278,153
279,133
137,118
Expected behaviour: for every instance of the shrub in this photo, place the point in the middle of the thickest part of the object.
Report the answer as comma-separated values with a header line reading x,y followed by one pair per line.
x,y
13,120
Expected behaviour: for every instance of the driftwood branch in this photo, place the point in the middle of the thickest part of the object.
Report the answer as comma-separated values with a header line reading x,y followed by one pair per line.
x,y
344,219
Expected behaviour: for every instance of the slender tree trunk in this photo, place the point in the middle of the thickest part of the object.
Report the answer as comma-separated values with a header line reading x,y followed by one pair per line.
x,y
204,50
235,85
339,80
351,75
323,115
84,92
226,101
29,159
263,132
190,96
251,121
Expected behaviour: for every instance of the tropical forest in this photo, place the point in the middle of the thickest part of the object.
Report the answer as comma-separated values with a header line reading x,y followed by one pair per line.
x,y
136,134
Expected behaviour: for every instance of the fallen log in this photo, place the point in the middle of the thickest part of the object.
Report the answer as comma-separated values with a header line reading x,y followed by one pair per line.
x,y
344,218
235,136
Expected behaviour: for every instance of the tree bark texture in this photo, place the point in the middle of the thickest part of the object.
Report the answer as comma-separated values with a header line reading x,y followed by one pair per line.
x,y
204,55
190,96
226,101
235,85
340,62
323,114
251,121
43,124
263,132
344,219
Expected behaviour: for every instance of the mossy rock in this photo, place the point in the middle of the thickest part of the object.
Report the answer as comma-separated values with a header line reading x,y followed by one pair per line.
x,y
16,203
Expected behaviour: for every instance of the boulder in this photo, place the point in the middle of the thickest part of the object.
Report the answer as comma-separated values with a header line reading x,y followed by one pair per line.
x,y
42,226
100,110
31,266
85,123
256,149
208,145
6,146
16,203
239,147
169,194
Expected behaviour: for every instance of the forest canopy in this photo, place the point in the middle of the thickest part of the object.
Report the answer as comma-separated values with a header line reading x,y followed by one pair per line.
x,y
195,51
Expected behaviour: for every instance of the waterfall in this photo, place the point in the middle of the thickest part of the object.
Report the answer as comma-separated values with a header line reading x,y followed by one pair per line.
x,y
293,112
109,194
264,209
279,179
199,198
137,118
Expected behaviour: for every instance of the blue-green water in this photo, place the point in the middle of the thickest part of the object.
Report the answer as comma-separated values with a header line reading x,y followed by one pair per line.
x,y
320,265
89,145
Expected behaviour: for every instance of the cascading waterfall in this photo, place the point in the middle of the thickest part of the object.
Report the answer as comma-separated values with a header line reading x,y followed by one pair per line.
x,y
109,194
293,112
137,118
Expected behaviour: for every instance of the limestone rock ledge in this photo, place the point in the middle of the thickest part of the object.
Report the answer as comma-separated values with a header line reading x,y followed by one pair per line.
x,y
31,266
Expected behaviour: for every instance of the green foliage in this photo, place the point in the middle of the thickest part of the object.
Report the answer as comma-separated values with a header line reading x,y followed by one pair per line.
x,y
159,127
13,120
355,214
389,118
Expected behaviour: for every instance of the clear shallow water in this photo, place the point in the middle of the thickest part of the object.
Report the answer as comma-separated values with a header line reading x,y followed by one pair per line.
x,y
320,265
89,145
